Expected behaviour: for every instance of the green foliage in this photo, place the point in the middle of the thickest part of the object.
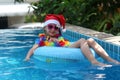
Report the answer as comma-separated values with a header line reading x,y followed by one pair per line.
x,y
101,15
32,18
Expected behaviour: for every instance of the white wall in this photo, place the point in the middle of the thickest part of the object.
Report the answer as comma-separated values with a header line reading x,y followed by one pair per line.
x,y
6,1
12,1
15,19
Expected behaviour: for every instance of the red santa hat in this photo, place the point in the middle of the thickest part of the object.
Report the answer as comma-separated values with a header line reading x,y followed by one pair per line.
x,y
59,20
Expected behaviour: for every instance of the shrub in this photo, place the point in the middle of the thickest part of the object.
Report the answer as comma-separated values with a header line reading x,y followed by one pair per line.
x,y
101,15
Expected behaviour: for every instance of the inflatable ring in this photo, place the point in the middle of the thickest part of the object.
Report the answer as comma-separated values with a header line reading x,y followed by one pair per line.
x,y
53,54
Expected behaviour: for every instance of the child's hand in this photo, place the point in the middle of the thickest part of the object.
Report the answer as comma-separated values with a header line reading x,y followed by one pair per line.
x,y
53,40
26,59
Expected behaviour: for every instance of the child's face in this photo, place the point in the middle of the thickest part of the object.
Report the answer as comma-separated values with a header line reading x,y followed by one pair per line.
x,y
51,30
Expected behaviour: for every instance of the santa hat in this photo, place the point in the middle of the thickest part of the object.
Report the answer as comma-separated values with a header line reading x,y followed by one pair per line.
x,y
59,20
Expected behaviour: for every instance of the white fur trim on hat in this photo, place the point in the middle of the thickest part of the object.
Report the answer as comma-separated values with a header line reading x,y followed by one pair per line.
x,y
52,21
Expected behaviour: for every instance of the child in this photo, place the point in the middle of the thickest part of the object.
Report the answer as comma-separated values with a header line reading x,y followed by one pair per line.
x,y
52,36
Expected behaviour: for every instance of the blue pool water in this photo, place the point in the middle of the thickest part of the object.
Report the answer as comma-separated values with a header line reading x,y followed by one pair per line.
x,y
14,45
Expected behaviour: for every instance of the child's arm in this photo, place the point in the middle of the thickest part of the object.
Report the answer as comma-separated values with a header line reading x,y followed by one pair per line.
x,y
30,52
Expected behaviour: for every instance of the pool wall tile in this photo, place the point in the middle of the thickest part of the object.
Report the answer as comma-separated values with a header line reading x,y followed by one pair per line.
x,y
111,47
119,50
118,53
116,49
107,46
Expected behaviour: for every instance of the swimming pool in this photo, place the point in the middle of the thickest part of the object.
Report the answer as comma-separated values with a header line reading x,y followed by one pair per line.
x,y
15,43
